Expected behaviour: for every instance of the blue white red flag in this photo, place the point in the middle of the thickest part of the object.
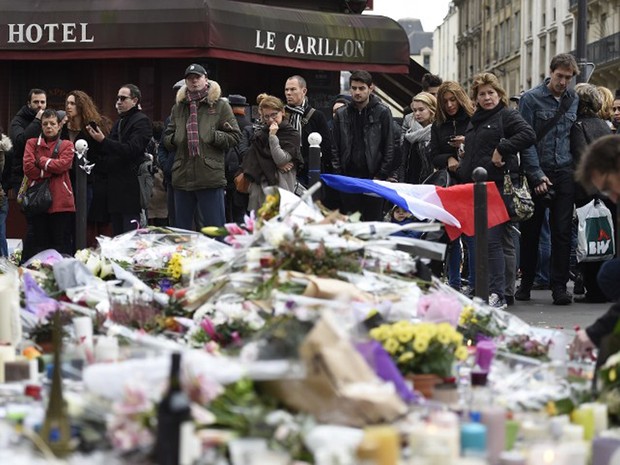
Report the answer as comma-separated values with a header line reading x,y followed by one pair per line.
x,y
453,206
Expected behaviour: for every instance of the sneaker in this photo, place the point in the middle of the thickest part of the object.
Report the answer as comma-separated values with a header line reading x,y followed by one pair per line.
x,y
523,292
468,291
562,297
496,301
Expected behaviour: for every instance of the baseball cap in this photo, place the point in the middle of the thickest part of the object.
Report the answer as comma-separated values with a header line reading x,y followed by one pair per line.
x,y
195,69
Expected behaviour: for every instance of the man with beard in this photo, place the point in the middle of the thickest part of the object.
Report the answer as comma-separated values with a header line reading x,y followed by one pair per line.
x,y
363,144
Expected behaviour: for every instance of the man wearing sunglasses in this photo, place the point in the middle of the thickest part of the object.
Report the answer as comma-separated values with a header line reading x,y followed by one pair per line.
x,y
202,129
123,151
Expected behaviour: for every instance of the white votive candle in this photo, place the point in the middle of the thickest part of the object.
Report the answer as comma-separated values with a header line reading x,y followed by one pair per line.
x,y
106,349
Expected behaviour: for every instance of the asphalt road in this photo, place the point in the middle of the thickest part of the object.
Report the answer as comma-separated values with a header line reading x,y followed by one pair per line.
x,y
541,312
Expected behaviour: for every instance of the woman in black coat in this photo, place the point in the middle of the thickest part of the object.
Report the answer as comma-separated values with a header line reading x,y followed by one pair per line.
x,y
494,136
454,109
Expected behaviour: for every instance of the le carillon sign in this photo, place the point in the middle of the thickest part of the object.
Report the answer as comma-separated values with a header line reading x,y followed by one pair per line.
x,y
217,28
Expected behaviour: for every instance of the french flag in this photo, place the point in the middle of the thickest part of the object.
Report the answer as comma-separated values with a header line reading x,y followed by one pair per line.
x,y
453,206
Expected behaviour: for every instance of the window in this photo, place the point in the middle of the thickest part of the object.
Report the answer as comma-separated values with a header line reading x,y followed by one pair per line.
x,y
517,31
427,61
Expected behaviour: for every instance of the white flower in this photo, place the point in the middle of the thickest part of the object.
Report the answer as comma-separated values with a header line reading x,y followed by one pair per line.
x,y
275,232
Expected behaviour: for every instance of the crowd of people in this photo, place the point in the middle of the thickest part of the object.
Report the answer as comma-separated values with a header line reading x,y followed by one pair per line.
x,y
208,143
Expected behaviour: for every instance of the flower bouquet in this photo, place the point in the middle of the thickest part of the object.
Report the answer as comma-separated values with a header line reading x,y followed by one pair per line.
x,y
526,345
421,348
475,322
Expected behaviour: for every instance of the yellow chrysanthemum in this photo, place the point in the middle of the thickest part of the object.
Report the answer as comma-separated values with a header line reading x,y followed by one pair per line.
x,y
405,335
391,345
612,375
406,357
420,345
461,353
175,266
457,338
376,333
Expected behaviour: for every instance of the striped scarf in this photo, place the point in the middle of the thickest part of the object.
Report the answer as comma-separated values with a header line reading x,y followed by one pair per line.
x,y
296,114
192,122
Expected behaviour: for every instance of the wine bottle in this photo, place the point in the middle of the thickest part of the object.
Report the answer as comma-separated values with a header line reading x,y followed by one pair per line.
x,y
173,416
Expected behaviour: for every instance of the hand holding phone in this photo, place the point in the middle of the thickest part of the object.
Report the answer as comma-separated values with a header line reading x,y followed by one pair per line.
x,y
93,125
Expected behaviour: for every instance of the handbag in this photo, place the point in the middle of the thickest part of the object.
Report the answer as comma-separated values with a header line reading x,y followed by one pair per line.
x,y
441,178
518,199
37,199
242,183
595,232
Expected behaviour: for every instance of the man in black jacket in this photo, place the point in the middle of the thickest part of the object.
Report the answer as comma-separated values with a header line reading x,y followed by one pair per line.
x,y
25,125
363,144
123,152
306,120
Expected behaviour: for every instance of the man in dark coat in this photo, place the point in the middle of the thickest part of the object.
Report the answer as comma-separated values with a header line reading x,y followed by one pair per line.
x,y
25,125
122,153
236,202
363,144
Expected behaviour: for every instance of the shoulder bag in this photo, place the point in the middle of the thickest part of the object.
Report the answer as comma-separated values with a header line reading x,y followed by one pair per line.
x,y
516,193
37,198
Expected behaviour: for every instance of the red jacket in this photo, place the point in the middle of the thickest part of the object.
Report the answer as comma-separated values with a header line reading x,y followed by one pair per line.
x,y
39,165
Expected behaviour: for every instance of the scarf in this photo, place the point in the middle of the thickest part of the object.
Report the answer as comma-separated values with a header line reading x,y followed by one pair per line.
x,y
192,122
296,114
481,114
418,134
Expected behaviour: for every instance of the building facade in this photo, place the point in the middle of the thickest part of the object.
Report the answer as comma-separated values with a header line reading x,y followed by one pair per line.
x,y
445,58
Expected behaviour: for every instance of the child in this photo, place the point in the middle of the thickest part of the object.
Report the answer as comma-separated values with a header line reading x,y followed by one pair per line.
x,y
401,216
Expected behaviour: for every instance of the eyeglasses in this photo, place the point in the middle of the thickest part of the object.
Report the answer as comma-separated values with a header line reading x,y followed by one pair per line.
x,y
271,116
122,98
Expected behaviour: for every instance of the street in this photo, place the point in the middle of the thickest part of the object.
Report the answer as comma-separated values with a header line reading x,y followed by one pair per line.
x,y
541,312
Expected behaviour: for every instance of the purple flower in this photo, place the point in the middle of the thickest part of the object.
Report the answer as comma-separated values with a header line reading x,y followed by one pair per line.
x,y
165,284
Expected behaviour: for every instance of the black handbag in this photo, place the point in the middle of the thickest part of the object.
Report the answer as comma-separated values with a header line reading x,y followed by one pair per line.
x,y
37,199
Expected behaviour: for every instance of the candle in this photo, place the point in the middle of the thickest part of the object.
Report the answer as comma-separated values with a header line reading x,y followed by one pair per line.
x,y
83,327
511,458
584,416
512,431
572,432
534,432
106,349
599,412
494,418
473,439
10,322
387,442
485,351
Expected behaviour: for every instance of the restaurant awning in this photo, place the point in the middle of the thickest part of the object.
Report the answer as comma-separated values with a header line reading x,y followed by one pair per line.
x,y
101,29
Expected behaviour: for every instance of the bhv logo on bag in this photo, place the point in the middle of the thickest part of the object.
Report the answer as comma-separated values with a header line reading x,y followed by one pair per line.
x,y
601,245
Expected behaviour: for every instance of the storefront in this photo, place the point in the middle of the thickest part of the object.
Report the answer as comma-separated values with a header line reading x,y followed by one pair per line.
x,y
99,45
248,48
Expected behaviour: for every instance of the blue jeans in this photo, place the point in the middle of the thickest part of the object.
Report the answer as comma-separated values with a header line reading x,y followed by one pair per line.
x,y
544,252
454,261
4,213
210,205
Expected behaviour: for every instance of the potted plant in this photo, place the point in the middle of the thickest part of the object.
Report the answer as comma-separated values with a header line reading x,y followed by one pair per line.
x,y
423,352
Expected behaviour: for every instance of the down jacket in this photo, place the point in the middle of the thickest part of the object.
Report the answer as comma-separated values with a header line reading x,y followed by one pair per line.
x,y
218,131
39,164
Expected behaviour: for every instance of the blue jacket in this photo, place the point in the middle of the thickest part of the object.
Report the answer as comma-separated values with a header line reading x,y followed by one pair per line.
x,y
553,152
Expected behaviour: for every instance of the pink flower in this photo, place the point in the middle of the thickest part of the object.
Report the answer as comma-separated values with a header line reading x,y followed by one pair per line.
x,y
209,328
234,229
438,307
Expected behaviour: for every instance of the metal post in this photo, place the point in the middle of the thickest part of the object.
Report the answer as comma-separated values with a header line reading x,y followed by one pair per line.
x,y
582,38
80,188
314,161
481,232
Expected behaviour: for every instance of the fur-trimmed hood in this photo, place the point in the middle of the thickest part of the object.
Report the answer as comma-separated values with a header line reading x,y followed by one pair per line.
x,y
5,143
215,92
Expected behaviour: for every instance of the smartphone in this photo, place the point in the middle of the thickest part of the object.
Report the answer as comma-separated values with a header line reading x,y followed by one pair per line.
x,y
93,125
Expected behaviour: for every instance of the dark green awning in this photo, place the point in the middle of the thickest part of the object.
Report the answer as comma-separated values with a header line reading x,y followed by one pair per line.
x,y
97,29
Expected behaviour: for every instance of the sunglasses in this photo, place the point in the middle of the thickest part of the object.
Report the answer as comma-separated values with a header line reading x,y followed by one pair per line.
x,y
122,98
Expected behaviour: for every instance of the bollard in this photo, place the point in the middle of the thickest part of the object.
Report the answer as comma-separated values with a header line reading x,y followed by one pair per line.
x,y
314,162
617,229
81,206
481,232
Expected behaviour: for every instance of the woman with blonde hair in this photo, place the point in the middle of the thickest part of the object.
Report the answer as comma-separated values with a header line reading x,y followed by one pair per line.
x,y
454,108
495,135
416,165
274,155
606,113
